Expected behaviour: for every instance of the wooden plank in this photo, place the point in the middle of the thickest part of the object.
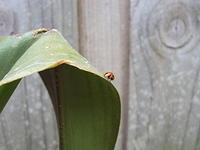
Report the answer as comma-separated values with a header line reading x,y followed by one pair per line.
x,y
164,75
104,41
31,125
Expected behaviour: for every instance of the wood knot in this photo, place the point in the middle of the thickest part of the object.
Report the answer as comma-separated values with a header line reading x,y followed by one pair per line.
x,y
172,28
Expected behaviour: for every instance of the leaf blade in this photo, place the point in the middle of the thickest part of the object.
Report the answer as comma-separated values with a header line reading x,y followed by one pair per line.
x,y
87,106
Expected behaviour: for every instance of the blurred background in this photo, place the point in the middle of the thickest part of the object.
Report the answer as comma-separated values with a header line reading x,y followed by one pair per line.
x,y
152,48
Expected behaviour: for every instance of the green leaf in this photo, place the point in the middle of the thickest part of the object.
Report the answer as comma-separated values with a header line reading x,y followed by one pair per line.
x,y
87,106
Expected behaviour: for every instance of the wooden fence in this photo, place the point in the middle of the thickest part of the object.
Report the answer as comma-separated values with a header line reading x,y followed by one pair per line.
x,y
150,45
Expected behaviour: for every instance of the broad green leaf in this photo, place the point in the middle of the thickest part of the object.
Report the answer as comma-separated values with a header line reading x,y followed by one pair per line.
x,y
87,106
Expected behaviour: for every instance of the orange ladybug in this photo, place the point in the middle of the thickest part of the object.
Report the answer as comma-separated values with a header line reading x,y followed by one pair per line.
x,y
109,75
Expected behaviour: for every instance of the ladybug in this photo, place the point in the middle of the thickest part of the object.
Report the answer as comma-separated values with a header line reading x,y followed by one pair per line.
x,y
109,75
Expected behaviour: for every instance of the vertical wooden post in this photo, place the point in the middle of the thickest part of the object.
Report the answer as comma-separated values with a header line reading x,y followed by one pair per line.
x,y
104,40
18,17
164,75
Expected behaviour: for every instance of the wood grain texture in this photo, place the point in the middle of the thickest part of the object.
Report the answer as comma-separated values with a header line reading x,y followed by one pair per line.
x,y
104,41
159,87
164,75
28,119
